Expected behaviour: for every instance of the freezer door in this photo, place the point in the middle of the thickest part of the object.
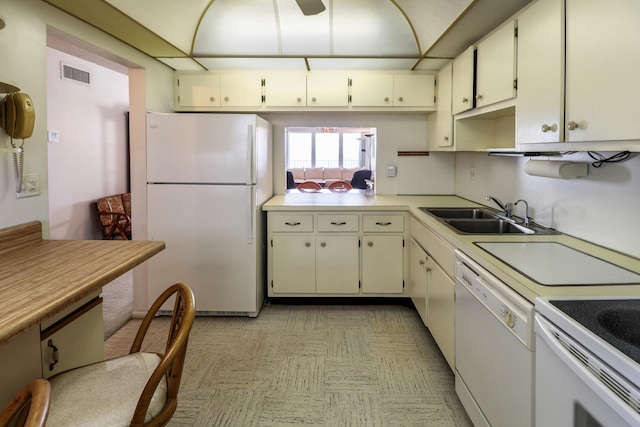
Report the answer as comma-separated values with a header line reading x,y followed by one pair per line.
x,y
201,148
211,244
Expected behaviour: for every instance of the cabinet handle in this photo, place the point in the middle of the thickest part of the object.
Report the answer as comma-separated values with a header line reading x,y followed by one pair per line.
x,y
338,223
478,97
370,244
401,99
421,262
54,355
323,244
572,125
313,99
547,128
446,139
292,224
226,98
212,99
386,99
383,224
298,99
307,244
465,100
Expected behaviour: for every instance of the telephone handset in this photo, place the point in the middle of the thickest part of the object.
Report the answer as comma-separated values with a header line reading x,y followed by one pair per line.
x,y
19,115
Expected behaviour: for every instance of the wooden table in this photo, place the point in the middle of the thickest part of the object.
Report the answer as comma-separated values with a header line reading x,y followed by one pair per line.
x,y
39,278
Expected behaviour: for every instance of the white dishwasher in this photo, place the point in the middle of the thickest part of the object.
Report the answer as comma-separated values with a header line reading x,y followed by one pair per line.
x,y
494,342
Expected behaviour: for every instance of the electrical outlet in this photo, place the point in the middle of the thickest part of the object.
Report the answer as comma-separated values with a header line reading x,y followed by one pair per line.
x,y
30,185
472,173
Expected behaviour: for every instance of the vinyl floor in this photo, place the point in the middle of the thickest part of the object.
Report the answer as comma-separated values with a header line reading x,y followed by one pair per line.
x,y
310,365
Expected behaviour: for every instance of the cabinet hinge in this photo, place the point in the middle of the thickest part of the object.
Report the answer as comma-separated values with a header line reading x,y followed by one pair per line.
x,y
515,84
349,98
359,243
178,82
403,243
434,99
263,98
350,83
359,284
403,284
515,32
271,242
272,283
263,82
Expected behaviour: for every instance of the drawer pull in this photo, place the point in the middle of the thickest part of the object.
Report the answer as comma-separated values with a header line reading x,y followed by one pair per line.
x,y
307,244
292,224
338,223
369,244
54,355
323,244
384,224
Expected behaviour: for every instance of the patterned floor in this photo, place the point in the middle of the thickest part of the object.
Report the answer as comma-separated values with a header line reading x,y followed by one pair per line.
x,y
312,365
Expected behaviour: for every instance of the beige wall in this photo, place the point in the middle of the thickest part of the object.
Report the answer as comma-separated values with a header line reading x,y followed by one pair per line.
x,y
23,43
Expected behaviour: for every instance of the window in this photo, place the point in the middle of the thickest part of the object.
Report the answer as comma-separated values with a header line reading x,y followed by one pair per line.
x,y
329,147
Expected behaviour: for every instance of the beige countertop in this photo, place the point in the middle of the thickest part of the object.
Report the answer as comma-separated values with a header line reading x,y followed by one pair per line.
x,y
39,278
466,242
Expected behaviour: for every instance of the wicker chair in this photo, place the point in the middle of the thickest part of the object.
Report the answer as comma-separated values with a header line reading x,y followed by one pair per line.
x,y
113,215
30,407
139,389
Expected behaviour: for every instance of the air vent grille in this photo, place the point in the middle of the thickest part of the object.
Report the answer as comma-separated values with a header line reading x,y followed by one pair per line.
x,y
75,74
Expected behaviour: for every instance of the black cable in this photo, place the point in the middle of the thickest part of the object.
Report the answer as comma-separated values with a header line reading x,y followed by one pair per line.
x,y
600,159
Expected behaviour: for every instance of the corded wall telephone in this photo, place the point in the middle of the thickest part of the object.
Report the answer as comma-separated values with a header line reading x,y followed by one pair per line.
x,y
19,115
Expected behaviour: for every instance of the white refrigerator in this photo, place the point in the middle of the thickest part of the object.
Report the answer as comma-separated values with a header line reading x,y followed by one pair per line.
x,y
207,178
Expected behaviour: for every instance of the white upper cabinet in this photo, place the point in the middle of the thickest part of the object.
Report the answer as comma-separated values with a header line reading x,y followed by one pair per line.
x,y
198,90
241,89
496,66
603,59
440,123
285,89
540,103
462,91
413,90
327,89
371,90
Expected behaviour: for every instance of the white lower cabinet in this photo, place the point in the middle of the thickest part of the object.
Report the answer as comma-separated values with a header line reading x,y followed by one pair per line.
x,y
336,254
432,286
75,340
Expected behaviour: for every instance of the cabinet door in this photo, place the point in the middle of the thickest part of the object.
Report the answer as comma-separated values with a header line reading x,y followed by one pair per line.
x,y
337,265
496,66
440,124
77,343
418,279
372,90
462,89
441,309
603,58
540,103
285,90
241,90
327,89
198,90
413,90
382,264
293,264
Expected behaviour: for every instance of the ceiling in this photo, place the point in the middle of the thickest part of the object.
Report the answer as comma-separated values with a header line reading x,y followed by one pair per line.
x,y
274,34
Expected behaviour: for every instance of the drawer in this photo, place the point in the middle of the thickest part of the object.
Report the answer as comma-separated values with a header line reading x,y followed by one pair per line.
x,y
383,223
337,223
294,223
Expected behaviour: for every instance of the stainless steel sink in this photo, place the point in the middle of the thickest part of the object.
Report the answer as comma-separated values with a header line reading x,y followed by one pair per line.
x,y
460,212
482,221
487,226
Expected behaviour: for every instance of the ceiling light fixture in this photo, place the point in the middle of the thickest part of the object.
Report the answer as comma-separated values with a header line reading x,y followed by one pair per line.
x,y
310,7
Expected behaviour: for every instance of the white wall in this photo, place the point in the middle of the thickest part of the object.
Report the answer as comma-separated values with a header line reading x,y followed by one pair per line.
x,y
432,174
23,43
91,158
602,207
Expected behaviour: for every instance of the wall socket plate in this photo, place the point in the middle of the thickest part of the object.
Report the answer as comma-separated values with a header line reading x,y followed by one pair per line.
x,y
30,185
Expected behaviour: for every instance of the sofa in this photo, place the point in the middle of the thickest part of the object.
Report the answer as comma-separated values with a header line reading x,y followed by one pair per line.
x,y
113,215
323,176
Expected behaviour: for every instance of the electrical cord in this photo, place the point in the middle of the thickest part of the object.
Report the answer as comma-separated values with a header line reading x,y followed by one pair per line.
x,y
600,159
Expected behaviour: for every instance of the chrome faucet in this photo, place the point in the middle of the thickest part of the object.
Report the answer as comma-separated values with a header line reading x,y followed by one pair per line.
x,y
506,207
527,220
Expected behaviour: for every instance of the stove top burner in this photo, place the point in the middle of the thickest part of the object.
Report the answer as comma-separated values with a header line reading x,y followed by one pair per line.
x,y
617,321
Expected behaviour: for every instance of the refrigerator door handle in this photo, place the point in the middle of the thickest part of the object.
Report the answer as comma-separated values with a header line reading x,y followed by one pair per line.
x,y
251,218
252,170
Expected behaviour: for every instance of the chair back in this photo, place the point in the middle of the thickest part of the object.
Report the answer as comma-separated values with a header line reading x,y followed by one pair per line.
x,y
339,186
359,177
30,407
291,183
172,361
309,186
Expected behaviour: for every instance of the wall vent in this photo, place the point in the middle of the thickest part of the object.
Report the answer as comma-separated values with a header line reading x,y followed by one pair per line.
x,y
77,75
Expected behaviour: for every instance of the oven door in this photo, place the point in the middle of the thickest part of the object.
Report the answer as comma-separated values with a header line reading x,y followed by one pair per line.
x,y
568,393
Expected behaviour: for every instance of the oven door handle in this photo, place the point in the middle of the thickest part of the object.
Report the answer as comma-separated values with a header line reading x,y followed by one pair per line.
x,y
615,392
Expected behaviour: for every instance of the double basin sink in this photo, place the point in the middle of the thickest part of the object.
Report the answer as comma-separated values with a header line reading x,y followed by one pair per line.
x,y
482,221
